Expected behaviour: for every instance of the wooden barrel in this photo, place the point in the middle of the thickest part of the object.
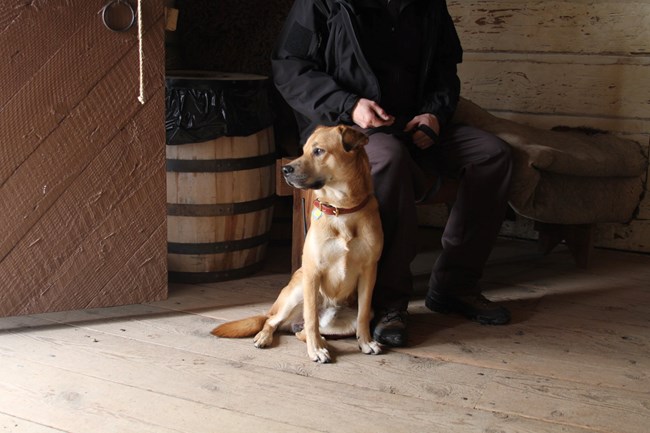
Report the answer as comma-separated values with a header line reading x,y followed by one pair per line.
x,y
220,196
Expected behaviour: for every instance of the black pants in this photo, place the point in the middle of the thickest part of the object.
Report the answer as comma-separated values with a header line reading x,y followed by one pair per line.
x,y
482,164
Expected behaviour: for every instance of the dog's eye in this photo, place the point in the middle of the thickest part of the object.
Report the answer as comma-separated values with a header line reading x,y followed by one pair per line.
x,y
318,151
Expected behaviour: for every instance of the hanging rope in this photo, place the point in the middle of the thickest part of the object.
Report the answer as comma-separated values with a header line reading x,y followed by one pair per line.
x,y
141,50
104,12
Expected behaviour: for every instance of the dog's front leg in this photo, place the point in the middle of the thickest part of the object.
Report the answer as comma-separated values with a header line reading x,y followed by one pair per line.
x,y
316,344
282,310
364,315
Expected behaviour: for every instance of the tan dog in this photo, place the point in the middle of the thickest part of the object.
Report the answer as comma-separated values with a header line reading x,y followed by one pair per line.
x,y
340,254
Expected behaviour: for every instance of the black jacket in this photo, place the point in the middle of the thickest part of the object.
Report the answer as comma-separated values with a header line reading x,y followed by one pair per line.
x,y
320,69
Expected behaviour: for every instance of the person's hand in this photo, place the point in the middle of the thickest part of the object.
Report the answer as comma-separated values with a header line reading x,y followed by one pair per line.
x,y
420,139
368,114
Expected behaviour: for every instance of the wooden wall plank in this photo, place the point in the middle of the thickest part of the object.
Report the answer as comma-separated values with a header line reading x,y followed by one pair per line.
x,y
10,13
24,56
643,215
572,26
57,269
65,153
628,237
143,275
113,210
631,129
633,236
599,87
82,202
45,100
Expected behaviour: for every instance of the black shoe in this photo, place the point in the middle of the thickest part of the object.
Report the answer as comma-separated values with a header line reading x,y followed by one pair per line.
x,y
474,307
390,328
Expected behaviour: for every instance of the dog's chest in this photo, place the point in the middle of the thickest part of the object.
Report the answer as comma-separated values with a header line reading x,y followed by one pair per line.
x,y
341,250
341,260
337,240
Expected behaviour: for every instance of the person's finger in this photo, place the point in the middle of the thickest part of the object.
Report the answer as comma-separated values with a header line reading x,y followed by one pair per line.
x,y
384,122
381,113
411,125
377,120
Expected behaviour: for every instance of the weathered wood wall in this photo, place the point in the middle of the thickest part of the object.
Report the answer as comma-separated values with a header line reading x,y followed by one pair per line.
x,y
572,63
82,181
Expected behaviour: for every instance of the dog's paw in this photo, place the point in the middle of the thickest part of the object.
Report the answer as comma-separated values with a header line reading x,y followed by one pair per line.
x,y
321,355
370,348
319,352
263,339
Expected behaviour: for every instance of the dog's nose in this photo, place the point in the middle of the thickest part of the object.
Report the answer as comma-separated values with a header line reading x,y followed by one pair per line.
x,y
287,170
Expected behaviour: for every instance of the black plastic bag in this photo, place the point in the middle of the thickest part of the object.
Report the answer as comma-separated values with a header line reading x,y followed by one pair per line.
x,y
204,108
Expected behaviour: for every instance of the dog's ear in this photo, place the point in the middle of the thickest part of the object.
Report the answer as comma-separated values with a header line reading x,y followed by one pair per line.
x,y
351,138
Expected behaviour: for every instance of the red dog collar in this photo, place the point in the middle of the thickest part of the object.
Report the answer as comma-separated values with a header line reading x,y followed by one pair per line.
x,y
336,211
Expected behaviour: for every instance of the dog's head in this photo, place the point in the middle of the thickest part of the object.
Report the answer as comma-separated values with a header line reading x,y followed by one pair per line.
x,y
330,155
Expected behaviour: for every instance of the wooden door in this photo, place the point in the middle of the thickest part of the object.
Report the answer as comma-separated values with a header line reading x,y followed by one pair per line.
x,y
82,181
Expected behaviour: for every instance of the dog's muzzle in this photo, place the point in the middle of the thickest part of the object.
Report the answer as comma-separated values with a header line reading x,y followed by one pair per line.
x,y
287,170
298,180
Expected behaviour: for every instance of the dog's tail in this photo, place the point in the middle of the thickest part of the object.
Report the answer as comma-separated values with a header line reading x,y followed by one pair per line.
x,y
247,327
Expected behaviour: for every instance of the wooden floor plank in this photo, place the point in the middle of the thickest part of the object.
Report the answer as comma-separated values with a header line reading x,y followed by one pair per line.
x,y
566,403
76,402
586,337
444,388
240,386
575,359
10,423
382,372
596,359
188,333
604,352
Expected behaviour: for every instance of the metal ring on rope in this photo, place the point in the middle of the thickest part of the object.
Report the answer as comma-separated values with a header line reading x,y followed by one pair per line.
x,y
106,19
